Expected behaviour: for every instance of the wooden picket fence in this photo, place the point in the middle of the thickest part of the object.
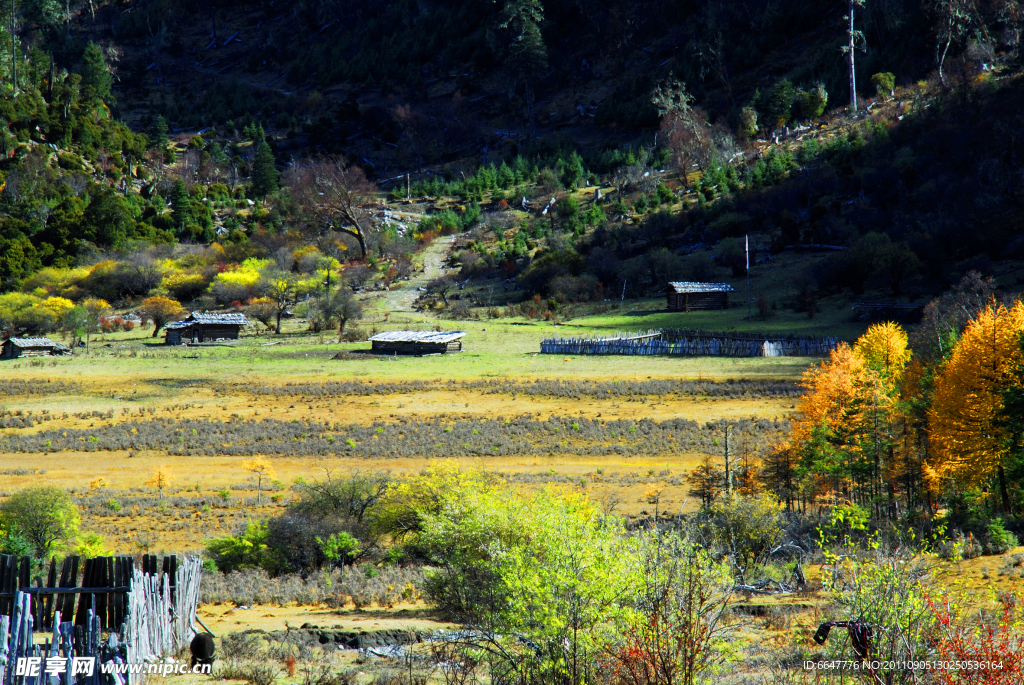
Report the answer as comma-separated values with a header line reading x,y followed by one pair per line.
x,y
152,608
162,610
105,579
694,345
68,640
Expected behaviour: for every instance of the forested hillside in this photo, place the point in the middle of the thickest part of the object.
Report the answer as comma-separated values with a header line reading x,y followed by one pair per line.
x,y
702,122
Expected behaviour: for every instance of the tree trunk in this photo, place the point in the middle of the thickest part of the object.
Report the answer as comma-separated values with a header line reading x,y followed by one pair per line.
x,y
853,75
157,324
1003,493
278,328
529,110
14,53
942,60
728,465
362,244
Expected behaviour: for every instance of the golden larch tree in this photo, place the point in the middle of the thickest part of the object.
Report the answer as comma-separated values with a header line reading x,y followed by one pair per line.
x,y
964,429
835,388
261,468
884,348
161,479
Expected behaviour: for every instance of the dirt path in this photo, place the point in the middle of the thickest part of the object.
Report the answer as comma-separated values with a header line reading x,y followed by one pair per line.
x,y
434,257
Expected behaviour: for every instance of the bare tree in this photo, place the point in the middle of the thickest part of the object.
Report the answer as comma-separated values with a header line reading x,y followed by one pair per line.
x,y
188,168
334,196
853,37
954,20
686,129
677,629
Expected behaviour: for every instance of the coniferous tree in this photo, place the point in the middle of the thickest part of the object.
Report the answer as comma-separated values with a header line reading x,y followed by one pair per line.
x,y
264,173
160,133
519,43
96,79
973,438
180,206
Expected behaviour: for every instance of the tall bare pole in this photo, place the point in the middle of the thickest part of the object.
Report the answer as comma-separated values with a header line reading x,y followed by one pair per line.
x,y
852,36
853,73
728,464
746,239
14,53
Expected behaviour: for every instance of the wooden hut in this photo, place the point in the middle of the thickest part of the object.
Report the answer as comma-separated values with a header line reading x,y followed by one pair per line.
x,y
31,347
417,342
204,327
689,296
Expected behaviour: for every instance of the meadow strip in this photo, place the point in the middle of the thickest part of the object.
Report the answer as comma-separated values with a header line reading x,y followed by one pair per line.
x,y
541,387
435,437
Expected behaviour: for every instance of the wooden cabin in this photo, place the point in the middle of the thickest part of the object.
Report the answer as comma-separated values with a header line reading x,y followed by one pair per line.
x,y
204,327
417,342
689,296
13,348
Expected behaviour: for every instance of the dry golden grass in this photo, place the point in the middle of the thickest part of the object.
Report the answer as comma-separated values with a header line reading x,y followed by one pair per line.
x,y
205,476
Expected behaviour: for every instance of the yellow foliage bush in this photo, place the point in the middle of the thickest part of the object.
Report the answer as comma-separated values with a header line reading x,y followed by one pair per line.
x,y
55,281
245,274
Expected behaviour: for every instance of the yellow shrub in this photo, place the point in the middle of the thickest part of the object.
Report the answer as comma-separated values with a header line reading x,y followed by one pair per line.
x,y
58,306
245,274
11,304
54,281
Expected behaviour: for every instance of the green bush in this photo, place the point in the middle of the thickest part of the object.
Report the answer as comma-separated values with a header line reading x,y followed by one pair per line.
x,y
885,83
248,550
812,102
999,539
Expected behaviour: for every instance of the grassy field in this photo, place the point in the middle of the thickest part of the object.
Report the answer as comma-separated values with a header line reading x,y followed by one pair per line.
x,y
127,382
129,377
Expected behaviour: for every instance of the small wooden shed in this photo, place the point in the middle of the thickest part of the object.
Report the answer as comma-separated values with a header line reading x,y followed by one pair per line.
x,y
417,342
204,327
688,296
13,348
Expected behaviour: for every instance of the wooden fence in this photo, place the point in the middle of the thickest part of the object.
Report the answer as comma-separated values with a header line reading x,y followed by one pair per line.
x,y
68,640
162,612
152,606
692,345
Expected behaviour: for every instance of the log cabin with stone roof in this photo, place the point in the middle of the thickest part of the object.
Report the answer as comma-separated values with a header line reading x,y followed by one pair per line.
x,y
689,296
204,327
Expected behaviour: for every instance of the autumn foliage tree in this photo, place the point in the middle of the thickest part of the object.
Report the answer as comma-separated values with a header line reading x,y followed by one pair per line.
x,y
161,479
844,445
263,470
970,441
160,309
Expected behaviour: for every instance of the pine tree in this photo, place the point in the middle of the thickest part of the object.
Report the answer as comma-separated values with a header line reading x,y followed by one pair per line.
x,y
264,173
160,133
96,79
520,45
181,207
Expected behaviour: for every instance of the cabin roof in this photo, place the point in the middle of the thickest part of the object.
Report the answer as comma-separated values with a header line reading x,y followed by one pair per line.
x,y
32,342
417,336
208,318
697,287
